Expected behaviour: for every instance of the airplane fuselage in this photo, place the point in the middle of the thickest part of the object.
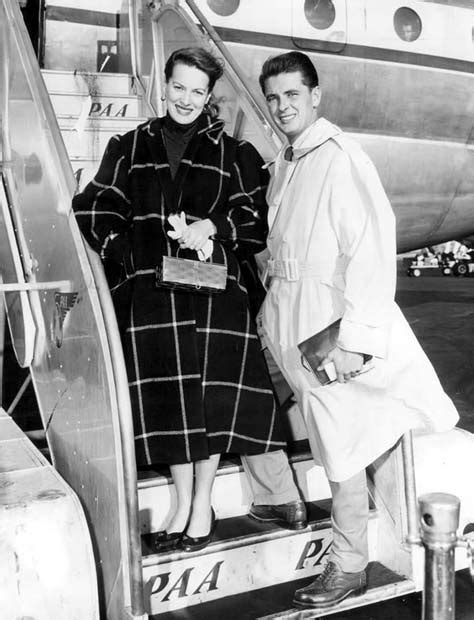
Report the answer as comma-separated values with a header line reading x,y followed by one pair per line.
x,y
397,76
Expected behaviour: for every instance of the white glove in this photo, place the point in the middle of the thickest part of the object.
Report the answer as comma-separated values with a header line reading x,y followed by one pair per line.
x,y
178,222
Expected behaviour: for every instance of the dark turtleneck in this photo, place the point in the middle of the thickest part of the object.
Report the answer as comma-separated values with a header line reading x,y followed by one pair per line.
x,y
176,138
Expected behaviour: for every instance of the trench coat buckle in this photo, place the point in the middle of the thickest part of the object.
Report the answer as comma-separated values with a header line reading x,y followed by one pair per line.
x,y
292,271
286,268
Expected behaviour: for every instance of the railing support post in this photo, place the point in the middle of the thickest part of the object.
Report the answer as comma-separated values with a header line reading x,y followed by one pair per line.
x,y
439,521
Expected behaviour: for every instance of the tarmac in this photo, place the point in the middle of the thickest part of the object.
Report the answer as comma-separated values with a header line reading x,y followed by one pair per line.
x,y
440,310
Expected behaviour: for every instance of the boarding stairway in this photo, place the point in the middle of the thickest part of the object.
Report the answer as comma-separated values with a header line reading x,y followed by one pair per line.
x,y
90,108
76,362
248,561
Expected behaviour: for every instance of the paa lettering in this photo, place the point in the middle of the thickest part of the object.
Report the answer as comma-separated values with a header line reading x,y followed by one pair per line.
x,y
314,549
98,110
185,584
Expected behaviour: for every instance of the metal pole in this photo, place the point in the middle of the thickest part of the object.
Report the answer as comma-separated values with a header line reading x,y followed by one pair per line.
x,y
439,521
413,536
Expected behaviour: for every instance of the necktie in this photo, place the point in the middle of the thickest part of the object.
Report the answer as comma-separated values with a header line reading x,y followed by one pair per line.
x,y
288,155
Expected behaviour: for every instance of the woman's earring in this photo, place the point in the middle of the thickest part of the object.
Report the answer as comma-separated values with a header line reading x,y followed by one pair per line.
x,y
163,98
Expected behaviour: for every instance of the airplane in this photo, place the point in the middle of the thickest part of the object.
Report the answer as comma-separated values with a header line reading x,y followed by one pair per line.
x,y
398,77
406,98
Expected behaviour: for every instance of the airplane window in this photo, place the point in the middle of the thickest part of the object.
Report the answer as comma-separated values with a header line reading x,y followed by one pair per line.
x,y
407,24
223,7
320,13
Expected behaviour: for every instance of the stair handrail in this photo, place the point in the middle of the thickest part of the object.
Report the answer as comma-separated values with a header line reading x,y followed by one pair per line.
x,y
213,34
136,60
126,431
413,530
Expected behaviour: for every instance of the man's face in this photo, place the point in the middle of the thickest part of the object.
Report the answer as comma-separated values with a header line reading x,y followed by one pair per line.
x,y
292,104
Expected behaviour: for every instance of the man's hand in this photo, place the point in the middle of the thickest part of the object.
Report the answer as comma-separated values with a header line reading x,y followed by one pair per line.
x,y
346,363
196,234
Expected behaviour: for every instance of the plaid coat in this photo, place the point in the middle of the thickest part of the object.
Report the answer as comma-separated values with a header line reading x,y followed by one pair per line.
x,y
198,381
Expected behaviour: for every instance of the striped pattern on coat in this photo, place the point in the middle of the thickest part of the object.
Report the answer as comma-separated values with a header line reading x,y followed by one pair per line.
x,y
198,381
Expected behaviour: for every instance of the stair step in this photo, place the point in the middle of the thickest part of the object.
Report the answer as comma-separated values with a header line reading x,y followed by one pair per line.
x,y
273,602
244,555
231,493
85,83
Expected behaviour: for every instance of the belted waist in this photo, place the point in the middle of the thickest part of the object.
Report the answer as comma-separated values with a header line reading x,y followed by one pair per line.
x,y
293,270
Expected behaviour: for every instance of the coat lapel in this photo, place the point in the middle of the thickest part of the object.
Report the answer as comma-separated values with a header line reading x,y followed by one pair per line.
x,y
172,188
154,139
207,130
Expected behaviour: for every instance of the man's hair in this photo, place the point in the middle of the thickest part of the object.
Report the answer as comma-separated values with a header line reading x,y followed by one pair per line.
x,y
199,58
289,63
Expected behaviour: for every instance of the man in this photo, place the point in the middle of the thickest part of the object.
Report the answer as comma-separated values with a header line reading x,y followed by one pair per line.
x,y
332,247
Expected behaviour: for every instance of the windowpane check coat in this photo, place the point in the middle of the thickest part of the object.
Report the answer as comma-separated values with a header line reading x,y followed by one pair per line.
x,y
198,381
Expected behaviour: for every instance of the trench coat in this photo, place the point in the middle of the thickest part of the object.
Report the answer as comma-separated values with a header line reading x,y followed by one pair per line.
x,y
198,381
333,255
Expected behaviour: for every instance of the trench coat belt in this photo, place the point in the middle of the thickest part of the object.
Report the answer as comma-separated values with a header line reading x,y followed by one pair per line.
x,y
291,269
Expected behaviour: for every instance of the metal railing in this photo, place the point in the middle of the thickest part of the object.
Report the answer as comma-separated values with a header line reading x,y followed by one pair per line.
x,y
133,550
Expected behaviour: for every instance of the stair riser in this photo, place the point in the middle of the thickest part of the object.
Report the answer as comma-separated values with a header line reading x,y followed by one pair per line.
x,y
95,107
231,495
87,83
201,578
89,144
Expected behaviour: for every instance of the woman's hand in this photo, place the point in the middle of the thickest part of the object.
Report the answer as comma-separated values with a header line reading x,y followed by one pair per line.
x,y
196,234
347,363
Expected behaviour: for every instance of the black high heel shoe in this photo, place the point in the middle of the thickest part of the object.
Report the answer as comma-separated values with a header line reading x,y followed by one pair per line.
x,y
188,543
165,541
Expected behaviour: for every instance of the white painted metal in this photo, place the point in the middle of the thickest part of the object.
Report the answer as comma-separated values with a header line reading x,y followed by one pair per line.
x,y
47,568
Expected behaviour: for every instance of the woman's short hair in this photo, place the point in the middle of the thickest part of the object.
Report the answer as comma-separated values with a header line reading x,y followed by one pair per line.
x,y
196,57
289,63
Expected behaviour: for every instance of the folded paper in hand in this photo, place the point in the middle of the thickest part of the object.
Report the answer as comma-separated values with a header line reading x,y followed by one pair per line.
x,y
315,348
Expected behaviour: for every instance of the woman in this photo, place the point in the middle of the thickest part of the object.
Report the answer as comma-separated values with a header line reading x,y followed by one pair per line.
x,y
198,382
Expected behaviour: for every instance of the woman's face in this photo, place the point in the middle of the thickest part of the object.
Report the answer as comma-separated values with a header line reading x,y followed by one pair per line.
x,y
186,92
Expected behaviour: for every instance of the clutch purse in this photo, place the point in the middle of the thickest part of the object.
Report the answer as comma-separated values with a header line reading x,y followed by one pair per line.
x,y
315,348
190,275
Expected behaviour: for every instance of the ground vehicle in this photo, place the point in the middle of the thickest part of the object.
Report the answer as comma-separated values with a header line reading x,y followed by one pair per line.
x,y
429,265
464,265
70,343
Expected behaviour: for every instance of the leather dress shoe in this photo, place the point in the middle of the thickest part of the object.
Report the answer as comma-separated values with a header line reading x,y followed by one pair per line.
x,y
291,516
331,587
190,543
167,542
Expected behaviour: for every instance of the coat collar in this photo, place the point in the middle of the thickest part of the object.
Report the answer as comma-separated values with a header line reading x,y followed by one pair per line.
x,y
213,129
312,137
